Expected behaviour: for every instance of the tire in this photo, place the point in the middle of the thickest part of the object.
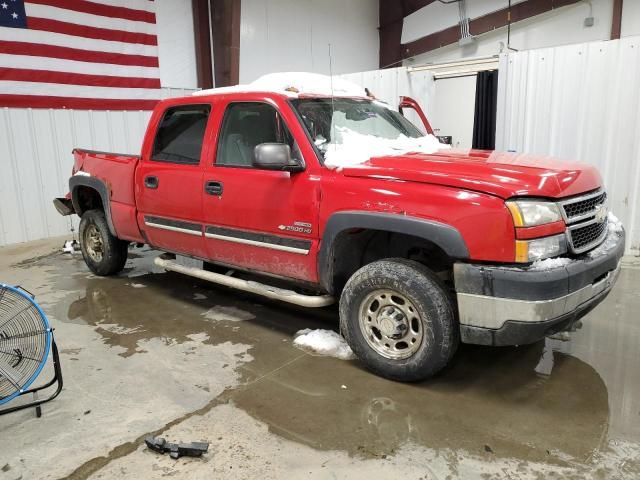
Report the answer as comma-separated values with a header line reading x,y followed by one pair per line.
x,y
103,253
412,332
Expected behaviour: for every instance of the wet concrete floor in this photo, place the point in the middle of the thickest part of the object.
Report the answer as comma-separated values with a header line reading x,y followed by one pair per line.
x,y
155,352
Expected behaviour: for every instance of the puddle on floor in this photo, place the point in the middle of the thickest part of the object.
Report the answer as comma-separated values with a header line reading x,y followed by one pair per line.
x,y
549,402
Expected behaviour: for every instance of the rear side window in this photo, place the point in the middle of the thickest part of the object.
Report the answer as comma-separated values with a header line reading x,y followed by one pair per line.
x,y
180,134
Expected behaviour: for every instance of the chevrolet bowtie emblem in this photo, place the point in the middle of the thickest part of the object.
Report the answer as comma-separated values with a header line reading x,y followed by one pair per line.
x,y
601,213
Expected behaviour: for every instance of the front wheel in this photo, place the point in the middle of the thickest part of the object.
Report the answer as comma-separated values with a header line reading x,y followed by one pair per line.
x,y
103,253
399,319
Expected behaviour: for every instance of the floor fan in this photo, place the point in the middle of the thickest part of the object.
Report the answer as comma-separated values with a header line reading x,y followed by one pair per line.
x,y
26,341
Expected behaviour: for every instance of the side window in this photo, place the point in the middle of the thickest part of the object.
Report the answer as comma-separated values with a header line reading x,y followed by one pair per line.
x,y
246,125
180,134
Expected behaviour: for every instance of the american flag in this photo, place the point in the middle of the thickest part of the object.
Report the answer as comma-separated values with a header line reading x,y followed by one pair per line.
x,y
92,55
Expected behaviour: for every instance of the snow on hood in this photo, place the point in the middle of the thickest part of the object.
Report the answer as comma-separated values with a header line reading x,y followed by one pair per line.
x,y
294,84
355,148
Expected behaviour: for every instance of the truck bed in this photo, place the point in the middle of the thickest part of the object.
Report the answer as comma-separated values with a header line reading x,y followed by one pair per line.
x,y
117,172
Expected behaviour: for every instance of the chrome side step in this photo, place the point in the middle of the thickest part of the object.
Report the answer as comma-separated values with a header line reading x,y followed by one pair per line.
x,y
312,301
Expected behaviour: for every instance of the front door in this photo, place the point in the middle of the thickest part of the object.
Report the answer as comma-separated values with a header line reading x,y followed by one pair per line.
x,y
169,182
259,219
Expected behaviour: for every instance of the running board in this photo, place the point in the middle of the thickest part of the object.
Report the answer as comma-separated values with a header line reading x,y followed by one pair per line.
x,y
312,301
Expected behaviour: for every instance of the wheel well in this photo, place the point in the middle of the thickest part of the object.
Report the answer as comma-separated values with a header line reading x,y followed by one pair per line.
x,y
355,248
87,198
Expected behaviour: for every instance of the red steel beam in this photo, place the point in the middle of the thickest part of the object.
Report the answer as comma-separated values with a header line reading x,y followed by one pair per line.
x,y
484,24
391,14
202,31
616,22
225,31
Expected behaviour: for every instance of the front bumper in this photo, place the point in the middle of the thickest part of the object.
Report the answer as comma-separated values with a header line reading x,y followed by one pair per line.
x,y
516,306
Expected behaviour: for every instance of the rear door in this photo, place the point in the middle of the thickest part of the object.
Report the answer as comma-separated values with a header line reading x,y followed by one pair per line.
x,y
258,219
169,182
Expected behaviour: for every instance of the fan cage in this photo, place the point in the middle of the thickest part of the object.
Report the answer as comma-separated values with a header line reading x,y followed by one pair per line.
x,y
20,309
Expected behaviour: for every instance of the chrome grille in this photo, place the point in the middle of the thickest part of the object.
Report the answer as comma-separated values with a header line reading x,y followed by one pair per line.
x,y
587,227
580,208
583,236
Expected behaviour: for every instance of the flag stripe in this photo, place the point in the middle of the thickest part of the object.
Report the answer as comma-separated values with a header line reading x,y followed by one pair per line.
x,y
81,54
54,64
47,76
25,48
99,9
79,18
135,4
78,91
60,40
56,26
46,101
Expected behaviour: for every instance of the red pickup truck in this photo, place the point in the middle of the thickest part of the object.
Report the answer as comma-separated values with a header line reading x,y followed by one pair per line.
x,y
422,250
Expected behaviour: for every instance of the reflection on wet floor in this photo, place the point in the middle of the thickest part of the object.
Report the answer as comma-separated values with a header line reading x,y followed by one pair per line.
x,y
543,402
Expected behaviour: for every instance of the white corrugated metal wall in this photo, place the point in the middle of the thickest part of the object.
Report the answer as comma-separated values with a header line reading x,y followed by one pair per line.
x,y
35,154
389,84
579,102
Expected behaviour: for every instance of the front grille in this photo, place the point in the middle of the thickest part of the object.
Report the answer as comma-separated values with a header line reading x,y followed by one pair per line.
x,y
582,237
583,207
586,227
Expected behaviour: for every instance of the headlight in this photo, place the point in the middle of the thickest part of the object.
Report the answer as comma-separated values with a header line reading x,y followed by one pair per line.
x,y
532,250
530,213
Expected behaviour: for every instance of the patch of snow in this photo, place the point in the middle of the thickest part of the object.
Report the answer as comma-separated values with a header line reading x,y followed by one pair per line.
x,y
137,285
227,314
615,225
550,263
294,84
615,231
81,173
323,342
353,148
199,296
70,246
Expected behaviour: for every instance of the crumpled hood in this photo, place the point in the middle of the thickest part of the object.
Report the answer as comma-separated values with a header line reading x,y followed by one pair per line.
x,y
497,173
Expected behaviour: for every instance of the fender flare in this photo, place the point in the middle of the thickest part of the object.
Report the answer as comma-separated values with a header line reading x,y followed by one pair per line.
x,y
97,185
444,236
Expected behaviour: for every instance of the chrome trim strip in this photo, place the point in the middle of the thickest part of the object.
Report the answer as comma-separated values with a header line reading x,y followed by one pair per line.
x,y
492,312
255,243
174,229
583,224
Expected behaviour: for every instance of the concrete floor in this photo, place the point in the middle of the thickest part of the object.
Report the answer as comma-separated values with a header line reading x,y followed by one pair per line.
x,y
152,352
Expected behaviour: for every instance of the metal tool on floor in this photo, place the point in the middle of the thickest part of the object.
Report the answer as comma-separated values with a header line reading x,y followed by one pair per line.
x,y
26,340
176,450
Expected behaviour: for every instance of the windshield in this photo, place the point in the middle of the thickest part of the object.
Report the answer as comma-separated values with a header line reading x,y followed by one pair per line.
x,y
348,131
360,116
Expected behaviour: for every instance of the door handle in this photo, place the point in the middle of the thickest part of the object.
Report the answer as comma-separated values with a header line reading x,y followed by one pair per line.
x,y
211,187
151,181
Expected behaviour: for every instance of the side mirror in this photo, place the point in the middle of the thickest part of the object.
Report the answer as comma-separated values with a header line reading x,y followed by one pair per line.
x,y
275,156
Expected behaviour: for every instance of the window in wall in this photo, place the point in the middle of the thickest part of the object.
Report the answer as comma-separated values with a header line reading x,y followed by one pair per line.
x,y
180,134
246,125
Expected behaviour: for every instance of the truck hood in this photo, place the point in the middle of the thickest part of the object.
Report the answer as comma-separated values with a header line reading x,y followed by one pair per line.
x,y
501,174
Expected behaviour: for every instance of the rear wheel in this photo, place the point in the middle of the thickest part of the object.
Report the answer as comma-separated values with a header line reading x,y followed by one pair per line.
x,y
399,319
103,253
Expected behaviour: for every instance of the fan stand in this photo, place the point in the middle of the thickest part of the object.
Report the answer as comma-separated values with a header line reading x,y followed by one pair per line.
x,y
57,379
